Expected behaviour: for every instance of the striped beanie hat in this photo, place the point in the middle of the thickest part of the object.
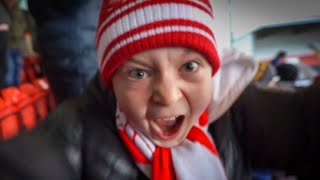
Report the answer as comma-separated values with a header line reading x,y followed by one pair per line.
x,y
128,27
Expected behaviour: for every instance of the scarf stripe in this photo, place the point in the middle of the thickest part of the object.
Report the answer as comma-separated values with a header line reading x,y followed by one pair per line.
x,y
162,166
196,135
136,154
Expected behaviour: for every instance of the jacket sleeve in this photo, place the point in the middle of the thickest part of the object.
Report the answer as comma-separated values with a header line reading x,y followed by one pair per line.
x,y
273,128
52,150
33,155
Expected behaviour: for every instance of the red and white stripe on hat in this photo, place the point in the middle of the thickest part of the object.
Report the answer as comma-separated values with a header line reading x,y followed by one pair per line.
x,y
128,27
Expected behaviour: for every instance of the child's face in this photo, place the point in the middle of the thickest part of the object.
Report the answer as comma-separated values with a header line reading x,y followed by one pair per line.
x,y
163,92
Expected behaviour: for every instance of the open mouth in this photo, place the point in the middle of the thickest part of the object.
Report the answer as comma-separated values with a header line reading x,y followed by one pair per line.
x,y
168,128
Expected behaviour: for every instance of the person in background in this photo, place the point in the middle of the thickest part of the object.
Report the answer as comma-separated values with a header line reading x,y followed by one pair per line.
x,y
4,39
278,59
16,42
287,72
66,43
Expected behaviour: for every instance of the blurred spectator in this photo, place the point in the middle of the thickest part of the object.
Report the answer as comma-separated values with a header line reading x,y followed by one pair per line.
x,y
16,42
276,61
31,28
287,72
66,40
4,38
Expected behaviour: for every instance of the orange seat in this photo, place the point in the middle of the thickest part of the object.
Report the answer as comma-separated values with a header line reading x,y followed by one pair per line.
x,y
24,105
43,84
38,97
42,107
29,89
9,122
28,115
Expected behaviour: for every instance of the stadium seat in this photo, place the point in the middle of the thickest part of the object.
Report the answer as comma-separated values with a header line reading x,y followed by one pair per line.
x,y
43,84
23,103
38,97
9,122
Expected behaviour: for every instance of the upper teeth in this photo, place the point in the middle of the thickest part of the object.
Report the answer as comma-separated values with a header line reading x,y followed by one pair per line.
x,y
173,118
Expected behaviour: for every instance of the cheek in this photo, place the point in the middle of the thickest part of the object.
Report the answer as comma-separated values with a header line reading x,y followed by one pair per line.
x,y
131,104
201,100
131,101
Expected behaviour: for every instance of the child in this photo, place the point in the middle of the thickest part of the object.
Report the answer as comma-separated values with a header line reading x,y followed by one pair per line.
x,y
158,58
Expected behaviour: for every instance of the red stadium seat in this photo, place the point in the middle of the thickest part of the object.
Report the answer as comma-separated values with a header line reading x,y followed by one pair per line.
x,y
43,84
24,105
38,97
9,122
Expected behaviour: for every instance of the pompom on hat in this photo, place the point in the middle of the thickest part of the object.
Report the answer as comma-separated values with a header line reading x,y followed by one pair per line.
x,y
128,27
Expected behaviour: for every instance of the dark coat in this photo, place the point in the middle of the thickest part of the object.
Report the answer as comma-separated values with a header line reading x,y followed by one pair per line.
x,y
80,140
4,14
66,40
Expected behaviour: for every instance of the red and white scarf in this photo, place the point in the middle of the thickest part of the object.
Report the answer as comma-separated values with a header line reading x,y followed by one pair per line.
x,y
195,158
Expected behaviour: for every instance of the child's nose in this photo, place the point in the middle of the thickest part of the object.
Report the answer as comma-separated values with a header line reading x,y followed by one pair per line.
x,y
166,91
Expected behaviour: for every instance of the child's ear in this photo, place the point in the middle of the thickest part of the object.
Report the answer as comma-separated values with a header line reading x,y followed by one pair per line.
x,y
236,72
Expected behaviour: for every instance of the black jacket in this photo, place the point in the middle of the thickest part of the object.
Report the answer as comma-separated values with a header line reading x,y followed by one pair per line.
x,y
80,141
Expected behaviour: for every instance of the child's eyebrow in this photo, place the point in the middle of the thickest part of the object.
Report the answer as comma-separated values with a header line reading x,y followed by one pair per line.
x,y
135,61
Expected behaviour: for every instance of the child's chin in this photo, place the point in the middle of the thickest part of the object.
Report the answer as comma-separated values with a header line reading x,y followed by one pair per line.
x,y
169,143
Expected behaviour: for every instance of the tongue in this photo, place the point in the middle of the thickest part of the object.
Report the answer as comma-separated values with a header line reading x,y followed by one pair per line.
x,y
168,130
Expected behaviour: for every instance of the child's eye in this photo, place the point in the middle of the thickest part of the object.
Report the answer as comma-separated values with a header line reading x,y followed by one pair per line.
x,y
137,74
190,66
